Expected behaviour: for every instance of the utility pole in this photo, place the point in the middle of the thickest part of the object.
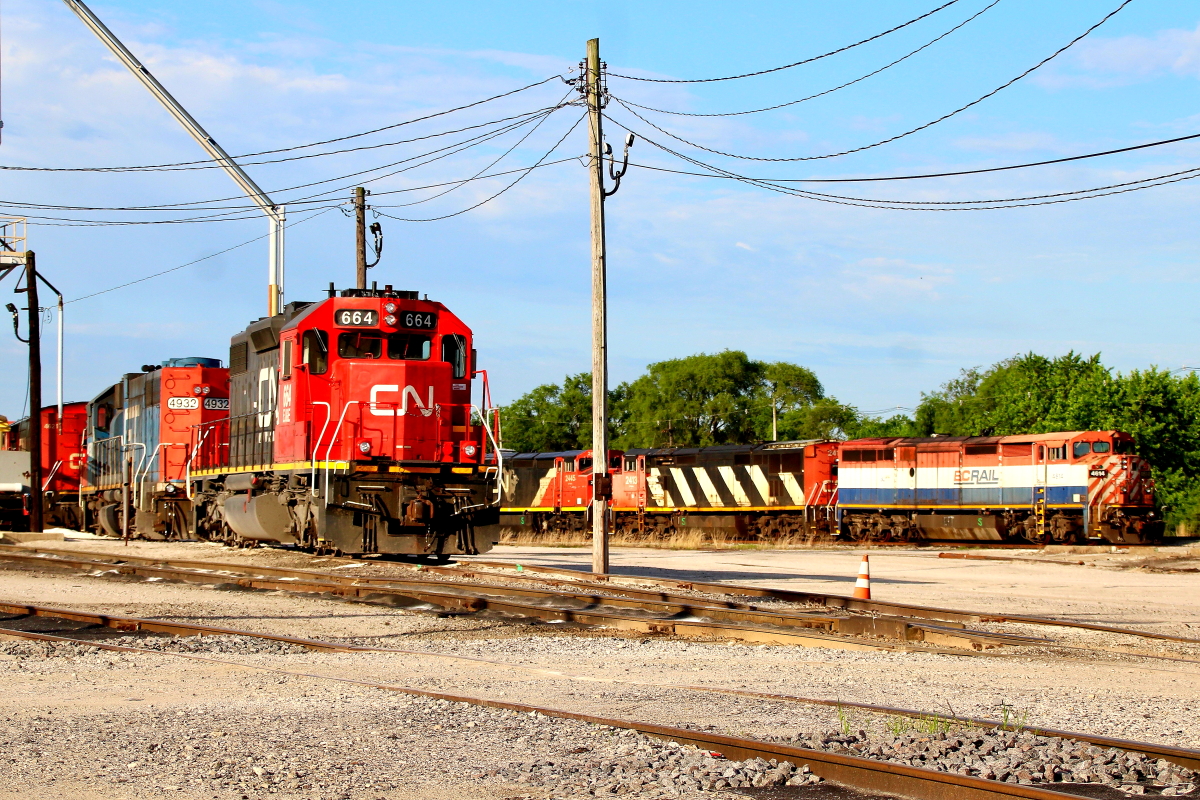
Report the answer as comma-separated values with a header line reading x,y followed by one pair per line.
x,y
360,234
601,485
35,394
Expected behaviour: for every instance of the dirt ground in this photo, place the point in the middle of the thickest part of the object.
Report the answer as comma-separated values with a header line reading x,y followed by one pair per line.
x,y
47,698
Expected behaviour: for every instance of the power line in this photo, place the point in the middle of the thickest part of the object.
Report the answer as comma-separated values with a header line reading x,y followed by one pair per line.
x,y
794,64
719,172
196,261
925,176
898,136
502,191
860,79
151,167
199,204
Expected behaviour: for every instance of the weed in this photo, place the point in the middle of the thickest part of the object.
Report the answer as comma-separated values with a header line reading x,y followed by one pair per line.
x,y
897,726
1012,718
845,720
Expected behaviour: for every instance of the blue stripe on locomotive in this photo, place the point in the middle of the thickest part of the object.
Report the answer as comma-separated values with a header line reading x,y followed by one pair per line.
x,y
968,497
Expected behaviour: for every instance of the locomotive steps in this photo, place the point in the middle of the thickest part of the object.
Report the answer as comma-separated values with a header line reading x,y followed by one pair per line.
x,y
705,611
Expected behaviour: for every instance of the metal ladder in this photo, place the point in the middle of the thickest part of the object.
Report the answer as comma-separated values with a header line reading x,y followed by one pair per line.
x,y
1039,509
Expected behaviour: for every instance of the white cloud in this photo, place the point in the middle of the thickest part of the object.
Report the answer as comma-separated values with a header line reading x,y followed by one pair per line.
x,y
745,246
1116,61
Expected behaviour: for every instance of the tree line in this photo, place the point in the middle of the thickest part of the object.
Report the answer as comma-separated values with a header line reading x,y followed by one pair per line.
x,y
729,398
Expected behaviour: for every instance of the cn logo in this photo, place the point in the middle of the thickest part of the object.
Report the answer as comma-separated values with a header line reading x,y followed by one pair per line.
x,y
426,409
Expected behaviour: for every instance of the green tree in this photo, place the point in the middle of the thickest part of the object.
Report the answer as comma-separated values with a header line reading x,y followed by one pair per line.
x,y
693,402
785,394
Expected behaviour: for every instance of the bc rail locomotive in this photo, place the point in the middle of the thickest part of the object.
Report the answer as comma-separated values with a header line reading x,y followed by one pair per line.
x,y
1056,487
1049,487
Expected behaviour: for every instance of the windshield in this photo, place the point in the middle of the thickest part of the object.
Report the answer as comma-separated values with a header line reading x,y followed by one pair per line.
x,y
370,345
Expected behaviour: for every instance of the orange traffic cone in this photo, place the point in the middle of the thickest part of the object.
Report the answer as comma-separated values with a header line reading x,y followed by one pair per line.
x,y
862,587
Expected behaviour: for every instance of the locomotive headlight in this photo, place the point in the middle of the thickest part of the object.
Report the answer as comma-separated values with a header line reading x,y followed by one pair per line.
x,y
469,450
197,390
364,447
390,308
389,319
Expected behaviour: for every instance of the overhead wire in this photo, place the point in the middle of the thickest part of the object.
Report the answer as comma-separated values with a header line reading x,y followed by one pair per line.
x,y
793,64
926,176
859,79
890,139
493,163
977,205
451,149
519,178
195,261
210,165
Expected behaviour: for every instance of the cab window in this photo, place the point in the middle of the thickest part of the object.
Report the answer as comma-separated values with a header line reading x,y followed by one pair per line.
x,y
1080,449
454,352
615,463
585,464
314,351
360,344
1100,447
1058,453
286,366
1123,446
408,347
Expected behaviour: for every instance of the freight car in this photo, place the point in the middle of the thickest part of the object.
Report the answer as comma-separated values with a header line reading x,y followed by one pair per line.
x,y
1052,487
62,461
139,433
762,492
351,429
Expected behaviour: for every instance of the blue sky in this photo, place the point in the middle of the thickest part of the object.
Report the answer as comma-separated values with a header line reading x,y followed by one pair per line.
x,y
882,304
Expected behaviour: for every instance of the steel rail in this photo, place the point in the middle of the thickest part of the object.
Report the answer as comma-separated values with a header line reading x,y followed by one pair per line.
x,y
474,603
841,601
877,621
1178,755
860,773
685,616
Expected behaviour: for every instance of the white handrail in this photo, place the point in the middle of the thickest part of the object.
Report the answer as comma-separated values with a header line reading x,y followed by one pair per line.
x,y
187,470
50,477
499,454
333,439
312,481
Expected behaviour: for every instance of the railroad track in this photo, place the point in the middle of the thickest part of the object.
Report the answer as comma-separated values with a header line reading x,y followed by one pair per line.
x,y
864,774
856,625
623,602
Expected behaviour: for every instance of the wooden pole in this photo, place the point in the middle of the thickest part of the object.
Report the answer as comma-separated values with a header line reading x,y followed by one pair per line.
x,y
36,519
360,234
600,484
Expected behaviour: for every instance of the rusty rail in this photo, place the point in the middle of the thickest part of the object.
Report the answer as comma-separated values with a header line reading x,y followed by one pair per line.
x,y
1178,755
684,616
860,773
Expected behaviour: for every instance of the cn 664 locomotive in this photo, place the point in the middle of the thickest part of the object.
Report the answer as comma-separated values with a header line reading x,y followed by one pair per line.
x,y
768,491
351,429
1061,487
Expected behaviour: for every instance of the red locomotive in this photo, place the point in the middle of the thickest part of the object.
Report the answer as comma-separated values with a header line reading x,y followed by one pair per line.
x,y
139,434
768,492
351,429
63,458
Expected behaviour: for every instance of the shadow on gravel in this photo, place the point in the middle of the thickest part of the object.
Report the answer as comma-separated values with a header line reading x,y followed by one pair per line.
x,y
715,576
832,791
